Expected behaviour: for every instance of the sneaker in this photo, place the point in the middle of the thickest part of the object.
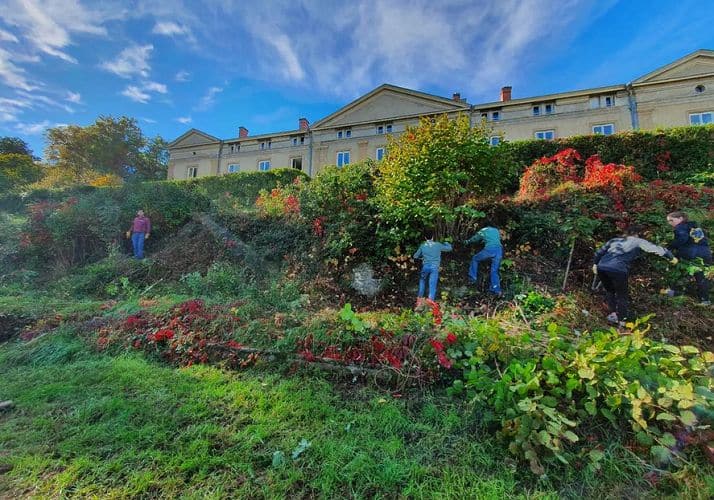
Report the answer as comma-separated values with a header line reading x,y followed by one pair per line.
x,y
612,318
667,291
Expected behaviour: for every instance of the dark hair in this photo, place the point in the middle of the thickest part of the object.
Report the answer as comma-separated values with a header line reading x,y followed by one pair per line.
x,y
679,215
634,229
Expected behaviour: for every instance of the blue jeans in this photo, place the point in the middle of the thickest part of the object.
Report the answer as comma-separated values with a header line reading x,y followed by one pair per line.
x,y
430,271
137,241
495,254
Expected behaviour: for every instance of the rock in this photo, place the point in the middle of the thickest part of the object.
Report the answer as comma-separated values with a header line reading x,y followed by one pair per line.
x,y
364,282
6,405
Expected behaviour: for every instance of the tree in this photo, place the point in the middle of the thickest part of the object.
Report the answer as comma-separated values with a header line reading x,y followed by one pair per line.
x,y
431,176
108,146
14,145
17,170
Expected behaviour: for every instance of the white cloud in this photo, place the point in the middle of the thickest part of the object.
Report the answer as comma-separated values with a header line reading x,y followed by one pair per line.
x,y
155,87
169,28
182,76
6,36
208,99
74,97
131,61
148,120
12,75
32,128
136,94
289,62
184,119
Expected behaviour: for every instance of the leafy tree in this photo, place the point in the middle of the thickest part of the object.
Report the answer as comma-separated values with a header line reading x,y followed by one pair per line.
x,y
108,146
14,145
17,170
432,175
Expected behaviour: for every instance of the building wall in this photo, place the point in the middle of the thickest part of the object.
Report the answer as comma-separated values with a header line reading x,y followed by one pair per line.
x,y
669,104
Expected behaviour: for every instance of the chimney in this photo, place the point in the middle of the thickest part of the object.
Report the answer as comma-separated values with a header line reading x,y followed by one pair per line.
x,y
456,97
303,124
242,132
505,94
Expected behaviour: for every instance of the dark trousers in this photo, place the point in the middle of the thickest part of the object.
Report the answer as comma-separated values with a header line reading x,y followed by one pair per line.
x,y
702,282
615,284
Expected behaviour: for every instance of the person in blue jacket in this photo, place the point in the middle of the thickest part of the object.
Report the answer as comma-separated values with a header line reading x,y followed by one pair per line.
x,y
493,251
691,243
612,265
430,254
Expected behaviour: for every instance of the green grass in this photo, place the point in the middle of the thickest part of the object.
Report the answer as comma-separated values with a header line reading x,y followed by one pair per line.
x,y
88,424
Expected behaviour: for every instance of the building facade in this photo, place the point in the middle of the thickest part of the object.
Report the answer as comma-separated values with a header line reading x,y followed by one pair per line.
x,y
678,94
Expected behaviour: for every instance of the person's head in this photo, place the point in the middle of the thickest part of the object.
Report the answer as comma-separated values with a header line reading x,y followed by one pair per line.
x,y
429,234
676,218
140,213
634,230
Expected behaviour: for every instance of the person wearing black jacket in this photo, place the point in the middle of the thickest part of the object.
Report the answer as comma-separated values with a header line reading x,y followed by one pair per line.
x,y
691,243
612,265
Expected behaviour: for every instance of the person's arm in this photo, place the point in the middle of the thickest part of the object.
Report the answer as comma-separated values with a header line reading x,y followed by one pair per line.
x,y
681,238
601,252
475,238
650,247
446,247
418,253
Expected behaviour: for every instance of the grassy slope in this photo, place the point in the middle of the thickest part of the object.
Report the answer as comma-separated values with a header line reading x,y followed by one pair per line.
x,y
88,424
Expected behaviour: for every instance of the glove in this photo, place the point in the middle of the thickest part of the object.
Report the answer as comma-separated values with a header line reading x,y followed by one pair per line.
x,y
594,268
147,236
128,235
674,261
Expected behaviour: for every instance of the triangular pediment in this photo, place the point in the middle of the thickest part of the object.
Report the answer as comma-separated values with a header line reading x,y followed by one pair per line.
x,y
387,103
193,137
698,63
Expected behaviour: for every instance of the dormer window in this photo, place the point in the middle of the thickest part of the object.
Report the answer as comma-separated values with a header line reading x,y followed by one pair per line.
x,y
344,134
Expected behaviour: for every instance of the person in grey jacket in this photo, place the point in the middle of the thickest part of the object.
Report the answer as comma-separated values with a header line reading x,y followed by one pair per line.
x,y
612,265
430,254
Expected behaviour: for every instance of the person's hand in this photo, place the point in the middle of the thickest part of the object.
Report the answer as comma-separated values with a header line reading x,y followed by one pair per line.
x,y
674,261
594,268
147,236
128,235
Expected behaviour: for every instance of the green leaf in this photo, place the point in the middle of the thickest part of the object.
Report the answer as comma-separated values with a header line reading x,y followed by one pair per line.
x,y
278,458
661,454
668,440
586,373
666,416
591,408
571,436
644,439
596,455
687,417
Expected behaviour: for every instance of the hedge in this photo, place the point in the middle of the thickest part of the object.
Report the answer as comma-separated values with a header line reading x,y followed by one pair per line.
x,y
244,186
675,154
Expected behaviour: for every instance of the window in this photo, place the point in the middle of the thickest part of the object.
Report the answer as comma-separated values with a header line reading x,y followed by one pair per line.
x,y
545,134
380,129
604,129
549,109
295,141
233,167
699,89
495,116
536,110
264,165
262,145
494,140
700,118
191,172
347,133
343,158
232,148
543,109
389,129
484,116
602,101
302,140
379,153
339,134
296,163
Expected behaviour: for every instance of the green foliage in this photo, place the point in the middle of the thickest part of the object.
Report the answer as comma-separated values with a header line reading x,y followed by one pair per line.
x,y
222,279
244,187
14,145
17,170
430,176
109,145
339,205
541,388
535,303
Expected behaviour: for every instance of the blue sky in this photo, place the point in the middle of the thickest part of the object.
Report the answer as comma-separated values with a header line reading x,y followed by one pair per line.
x,y
217,65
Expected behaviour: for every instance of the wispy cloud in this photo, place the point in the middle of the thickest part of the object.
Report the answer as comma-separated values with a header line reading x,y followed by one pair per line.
x,y
12,75
208,99
136,94
6,36
132,61
173,29
74,97
155,87
147,120
184,119
32,128
182,76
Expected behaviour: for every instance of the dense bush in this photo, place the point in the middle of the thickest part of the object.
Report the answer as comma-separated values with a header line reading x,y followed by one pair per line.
x,y
676,154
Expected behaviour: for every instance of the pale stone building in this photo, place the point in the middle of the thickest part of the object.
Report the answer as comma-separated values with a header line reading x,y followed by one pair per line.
x,y
678,94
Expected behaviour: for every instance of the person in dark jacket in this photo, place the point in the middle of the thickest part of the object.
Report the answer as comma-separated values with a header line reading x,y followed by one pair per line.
x,y
612,265
691,243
